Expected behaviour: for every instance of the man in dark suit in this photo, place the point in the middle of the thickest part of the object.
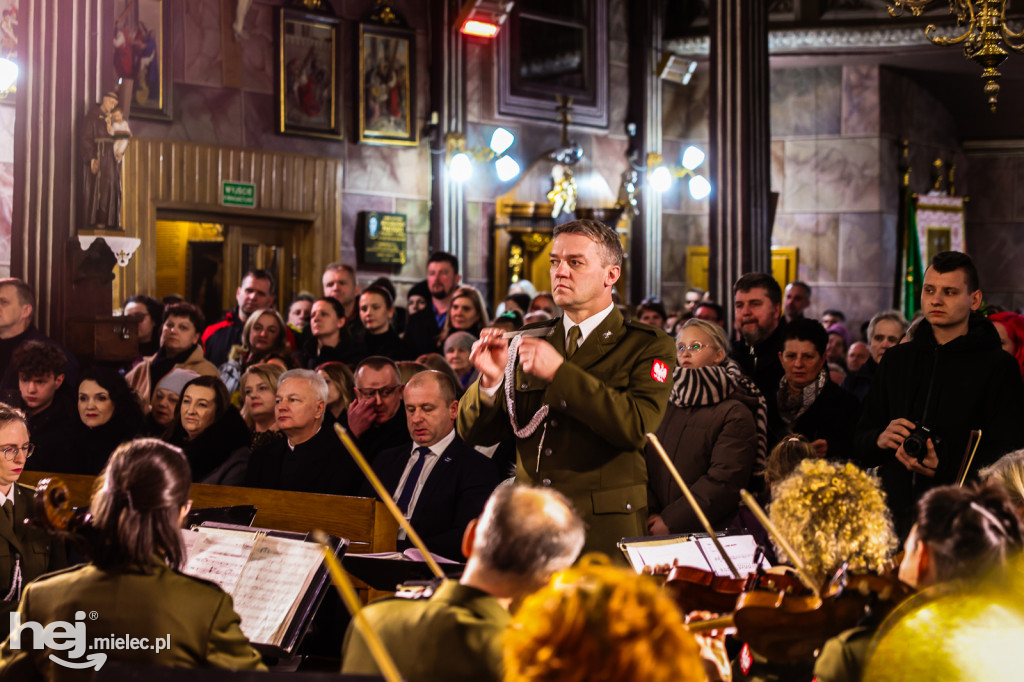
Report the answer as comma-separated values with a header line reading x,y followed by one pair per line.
x,y
440,483
310,459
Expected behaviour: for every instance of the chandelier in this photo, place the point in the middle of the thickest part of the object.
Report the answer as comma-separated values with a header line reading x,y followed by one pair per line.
x,y
985,38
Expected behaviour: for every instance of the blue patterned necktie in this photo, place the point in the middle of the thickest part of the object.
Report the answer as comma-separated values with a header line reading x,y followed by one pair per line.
x,y
412,479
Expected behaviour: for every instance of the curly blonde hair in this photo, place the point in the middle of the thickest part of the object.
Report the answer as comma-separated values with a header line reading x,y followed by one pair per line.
x,y
833,513
595,622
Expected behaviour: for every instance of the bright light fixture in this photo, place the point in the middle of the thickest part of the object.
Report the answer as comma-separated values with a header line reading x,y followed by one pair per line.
x,y
661,179
506,167
501,140
8,74
480,29
699,187
460,167
692,157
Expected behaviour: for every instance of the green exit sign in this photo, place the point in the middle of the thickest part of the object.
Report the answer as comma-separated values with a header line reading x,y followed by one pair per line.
x,y
238,194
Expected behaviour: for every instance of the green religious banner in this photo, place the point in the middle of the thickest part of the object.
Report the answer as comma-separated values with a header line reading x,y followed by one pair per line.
x,y
384,238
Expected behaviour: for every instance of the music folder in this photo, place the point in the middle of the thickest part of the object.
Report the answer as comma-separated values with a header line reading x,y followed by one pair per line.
x,y
692,549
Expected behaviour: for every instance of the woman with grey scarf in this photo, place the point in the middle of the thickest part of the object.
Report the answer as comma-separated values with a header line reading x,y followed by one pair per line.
x,y
714,431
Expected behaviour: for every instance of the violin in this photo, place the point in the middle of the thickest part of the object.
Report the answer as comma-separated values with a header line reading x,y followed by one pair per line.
x,y
52,510
695,589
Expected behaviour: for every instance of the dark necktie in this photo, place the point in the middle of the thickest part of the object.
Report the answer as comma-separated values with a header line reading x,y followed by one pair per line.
x,y
9,514
573,343
412,479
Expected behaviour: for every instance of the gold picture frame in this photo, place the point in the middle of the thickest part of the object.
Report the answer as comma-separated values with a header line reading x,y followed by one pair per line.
x,y
308,83
387,85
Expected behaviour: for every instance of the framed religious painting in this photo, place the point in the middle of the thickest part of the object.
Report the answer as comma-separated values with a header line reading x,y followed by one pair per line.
x,y
142,59
308,92
8,51
386,86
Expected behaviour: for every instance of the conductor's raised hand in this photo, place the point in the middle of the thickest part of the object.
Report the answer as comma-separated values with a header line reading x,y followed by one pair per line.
x,y
540,358
489,356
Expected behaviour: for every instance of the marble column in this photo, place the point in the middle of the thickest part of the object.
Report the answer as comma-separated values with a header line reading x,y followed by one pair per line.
x,y
448,97
739,149
65,54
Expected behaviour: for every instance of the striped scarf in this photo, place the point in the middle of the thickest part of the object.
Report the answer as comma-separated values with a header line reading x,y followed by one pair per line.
x,y
703,386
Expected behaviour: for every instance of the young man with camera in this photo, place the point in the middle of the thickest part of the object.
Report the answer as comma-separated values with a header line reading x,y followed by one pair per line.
x,y
930,392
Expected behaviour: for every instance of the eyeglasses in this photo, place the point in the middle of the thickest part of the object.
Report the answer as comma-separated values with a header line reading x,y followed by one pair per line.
x,y
694,347
371,393
10,452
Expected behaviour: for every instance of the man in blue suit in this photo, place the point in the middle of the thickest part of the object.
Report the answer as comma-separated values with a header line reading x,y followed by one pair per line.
x,y
440,483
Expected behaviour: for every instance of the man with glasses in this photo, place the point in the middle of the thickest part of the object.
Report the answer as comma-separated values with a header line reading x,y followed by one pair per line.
x,y
375,418
29,551
310,459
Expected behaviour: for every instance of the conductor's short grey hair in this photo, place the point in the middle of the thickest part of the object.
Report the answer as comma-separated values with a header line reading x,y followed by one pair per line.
x,y
527,533
315,381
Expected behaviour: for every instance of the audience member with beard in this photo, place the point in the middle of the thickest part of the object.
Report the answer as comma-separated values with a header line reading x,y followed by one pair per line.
x,y
108,416
179,349
212,434
163,406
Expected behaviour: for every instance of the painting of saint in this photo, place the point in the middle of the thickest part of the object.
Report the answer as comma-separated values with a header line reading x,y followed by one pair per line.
x,y
308,88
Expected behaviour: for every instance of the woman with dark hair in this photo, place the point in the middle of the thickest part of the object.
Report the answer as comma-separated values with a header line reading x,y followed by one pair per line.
x,y
212,434
376,312
959,535
264,339
133,584
148,313
329,338
108,416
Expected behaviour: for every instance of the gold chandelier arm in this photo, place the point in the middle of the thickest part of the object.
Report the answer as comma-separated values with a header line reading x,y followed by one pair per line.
x,y
897,7
1009,36
943,40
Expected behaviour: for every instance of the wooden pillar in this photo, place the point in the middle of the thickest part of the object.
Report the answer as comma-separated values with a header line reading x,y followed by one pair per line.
x,y
739,150
65,53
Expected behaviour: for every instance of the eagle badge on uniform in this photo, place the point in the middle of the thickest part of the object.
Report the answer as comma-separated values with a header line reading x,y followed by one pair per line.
x,y
659,371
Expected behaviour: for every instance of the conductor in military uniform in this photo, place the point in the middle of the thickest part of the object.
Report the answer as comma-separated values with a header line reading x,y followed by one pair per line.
x,y
584,389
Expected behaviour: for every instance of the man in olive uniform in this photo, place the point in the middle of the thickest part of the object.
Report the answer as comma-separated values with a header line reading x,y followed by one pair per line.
x,y
586,388
523,536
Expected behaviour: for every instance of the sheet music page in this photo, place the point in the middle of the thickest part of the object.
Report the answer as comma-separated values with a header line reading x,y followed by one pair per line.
x,y
268,591
682,550
740,548
218,555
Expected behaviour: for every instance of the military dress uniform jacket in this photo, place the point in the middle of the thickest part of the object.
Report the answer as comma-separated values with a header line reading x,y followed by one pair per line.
x,y
602,402
455,635
196,615
40,551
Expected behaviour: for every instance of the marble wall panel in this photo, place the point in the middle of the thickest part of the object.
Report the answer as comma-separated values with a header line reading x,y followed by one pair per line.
x,y
258,51
476,270
7,134
866,247
832,174
394,170
417,214
997,254
806,101
351,204
260,126
777,151
860,97
1018,189
859,302
680,231
609,162
6,209
201,114
994,190
618,98
909,111
685,108
618,32
202,43
816,235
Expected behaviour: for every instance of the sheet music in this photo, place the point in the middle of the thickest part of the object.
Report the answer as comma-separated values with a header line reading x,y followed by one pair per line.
x,y
218,555
740,548
682,550
271,585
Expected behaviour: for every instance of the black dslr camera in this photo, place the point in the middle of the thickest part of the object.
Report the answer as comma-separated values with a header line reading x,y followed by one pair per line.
x,y
916,444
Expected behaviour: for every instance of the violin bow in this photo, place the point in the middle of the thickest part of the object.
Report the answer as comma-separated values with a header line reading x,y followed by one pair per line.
x,y
965,464
693,503
798,565
385,497
348,595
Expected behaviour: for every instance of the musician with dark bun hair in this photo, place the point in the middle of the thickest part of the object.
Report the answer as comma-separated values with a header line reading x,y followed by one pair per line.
x,y
959,534
133,588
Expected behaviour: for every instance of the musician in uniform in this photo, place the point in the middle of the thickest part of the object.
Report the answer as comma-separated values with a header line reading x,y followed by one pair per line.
x,y
132,590
585,389
523,537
